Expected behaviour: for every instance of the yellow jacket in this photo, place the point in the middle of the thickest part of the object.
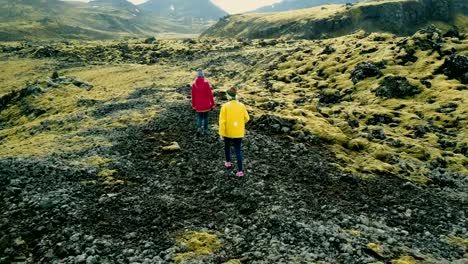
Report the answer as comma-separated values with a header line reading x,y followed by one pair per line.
x,y
232,119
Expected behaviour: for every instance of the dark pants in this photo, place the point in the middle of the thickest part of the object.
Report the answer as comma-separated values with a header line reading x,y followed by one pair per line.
x,y
203,120
237,147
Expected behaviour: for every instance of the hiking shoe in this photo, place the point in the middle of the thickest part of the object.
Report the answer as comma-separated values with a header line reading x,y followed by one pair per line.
x,y
228,165
240,174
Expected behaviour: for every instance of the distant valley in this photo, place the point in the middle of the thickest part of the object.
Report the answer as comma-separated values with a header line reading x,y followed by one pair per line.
x,y
101,19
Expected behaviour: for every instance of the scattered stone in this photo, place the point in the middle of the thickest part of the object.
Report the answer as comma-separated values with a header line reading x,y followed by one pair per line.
x,y
131,235
75,237
92,260
174,147
80,258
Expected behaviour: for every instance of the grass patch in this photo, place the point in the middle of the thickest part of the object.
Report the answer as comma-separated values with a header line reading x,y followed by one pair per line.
x,y
198,245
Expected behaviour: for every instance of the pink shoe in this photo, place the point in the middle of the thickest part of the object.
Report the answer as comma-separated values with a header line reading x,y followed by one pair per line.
x,y
240,174
227,164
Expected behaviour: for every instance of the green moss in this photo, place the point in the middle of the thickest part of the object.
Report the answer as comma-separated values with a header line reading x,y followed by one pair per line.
x,y
358,144
233,261
376,248
462,242
107,177
405,260
199,245
97,160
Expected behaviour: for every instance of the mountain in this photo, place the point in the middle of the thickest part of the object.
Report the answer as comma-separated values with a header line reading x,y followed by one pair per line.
x,y
403,17
115,4
98,19
287,5
183,9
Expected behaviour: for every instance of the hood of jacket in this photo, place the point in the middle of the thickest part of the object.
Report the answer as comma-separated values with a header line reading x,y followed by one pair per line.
x,y
199,82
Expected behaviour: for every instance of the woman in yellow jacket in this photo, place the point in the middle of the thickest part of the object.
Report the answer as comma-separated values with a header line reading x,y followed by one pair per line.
x,y
232,120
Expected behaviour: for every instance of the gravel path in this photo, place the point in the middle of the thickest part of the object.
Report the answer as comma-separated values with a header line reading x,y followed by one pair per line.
x,y
292,207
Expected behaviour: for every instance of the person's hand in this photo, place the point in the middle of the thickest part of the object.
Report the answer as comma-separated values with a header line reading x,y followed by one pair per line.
x,y
221,138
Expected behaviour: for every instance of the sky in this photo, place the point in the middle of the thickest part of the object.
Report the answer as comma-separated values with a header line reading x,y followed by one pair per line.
x,y
231,6
238,6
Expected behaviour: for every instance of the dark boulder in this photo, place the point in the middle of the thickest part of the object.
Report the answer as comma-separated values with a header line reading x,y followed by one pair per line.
x,y
272,105
16,96
429,38
150,40
45,52
272,124
464,78
408,57
455,67
378,133
380,119
379,38
55,76
447,108
368,51
396,87
330,96
421,130
366,70
328,50
453,33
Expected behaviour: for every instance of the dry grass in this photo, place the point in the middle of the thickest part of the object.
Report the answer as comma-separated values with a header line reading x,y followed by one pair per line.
x,y
319,74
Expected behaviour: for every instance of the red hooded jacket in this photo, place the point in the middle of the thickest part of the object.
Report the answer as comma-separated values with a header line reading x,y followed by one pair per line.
x,y
202,97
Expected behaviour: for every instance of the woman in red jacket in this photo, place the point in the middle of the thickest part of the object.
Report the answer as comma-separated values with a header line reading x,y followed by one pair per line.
x,y
202,101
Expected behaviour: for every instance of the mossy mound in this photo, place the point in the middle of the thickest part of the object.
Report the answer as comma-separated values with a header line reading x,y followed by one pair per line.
x,y
196,245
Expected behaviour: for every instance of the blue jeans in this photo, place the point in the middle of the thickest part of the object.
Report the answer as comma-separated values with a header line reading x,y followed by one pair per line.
x,y
237,147
203,120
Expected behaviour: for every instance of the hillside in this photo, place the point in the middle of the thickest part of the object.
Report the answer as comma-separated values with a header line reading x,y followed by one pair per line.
x,y
356,151
182,9
287,5
115,5
402,17
99,19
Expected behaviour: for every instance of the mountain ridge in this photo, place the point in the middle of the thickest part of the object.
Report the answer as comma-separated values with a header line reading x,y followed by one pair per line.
x,y
287,5
402,17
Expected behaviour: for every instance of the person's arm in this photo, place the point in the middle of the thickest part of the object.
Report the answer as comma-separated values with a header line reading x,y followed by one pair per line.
x,y
246,115
193,96
210,93
222,121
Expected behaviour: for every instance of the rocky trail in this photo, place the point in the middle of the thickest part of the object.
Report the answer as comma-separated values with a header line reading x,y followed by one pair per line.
x,y
292,207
